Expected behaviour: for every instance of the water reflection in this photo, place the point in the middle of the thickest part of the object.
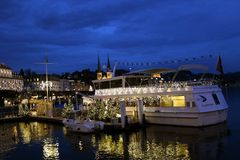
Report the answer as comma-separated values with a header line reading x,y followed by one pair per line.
x,y
33,131
186,143
14,136
153,142
7,138
157,142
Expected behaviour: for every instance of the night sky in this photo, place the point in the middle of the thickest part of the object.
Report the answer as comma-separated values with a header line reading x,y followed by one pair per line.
x,y
73,33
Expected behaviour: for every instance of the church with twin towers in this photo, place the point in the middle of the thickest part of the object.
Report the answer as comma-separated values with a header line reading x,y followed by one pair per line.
x,y
100,73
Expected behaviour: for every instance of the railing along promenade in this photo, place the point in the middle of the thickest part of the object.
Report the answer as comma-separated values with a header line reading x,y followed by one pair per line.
x,y
9,113
13,114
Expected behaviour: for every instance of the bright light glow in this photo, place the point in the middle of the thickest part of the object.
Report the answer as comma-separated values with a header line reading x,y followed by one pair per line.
x,y
43,85
50,149
34,113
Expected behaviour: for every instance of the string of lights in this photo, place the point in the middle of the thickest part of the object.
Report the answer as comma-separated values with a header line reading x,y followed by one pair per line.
x,y
176,61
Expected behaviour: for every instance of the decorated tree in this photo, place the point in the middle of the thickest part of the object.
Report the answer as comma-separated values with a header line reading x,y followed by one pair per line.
x,y
100,110
67,110
112,109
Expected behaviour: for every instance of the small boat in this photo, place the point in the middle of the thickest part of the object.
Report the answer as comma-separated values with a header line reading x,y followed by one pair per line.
x,y
83,126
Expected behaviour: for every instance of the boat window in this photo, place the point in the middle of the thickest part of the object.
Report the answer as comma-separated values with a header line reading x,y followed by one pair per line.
x,y
178,101
151,102
215,98
173,101
131,103
166,101
97,85
116,83
193,104
135,81
104,85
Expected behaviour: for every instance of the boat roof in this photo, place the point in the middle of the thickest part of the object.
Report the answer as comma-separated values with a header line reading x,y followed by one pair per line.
x,y
119,77
153,71
193,66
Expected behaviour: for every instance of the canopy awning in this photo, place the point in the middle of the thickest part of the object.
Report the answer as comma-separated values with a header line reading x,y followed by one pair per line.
x,y
193,66
153,71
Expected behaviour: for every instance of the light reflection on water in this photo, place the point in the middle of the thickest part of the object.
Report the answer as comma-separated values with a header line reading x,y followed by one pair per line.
x,y
16,135
50,149
154,142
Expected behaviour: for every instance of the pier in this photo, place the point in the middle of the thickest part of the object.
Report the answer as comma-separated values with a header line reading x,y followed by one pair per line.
x,y
11,114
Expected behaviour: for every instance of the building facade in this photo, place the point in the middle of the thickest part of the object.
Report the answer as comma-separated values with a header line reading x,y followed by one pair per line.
x,y
55,84
9,80
38,83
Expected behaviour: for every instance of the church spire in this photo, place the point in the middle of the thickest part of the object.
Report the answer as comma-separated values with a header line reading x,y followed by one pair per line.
x,y
109,73
108,65
99,72
99,65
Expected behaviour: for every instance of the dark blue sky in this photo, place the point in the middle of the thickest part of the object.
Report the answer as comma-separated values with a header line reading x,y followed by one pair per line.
x,y
74,32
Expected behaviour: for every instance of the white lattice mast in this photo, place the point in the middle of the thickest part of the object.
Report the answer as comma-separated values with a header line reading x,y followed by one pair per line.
x,y
46,63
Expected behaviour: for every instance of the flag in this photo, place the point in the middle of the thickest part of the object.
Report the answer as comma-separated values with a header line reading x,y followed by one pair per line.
x,y
219,66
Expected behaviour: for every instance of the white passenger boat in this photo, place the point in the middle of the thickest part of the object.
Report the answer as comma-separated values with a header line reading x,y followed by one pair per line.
x,y
168,102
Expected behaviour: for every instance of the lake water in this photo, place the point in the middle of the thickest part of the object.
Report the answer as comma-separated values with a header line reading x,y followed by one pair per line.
x,y
36,140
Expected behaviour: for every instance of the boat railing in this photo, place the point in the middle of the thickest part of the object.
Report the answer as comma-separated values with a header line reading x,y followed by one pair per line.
x,y
180,84
154,88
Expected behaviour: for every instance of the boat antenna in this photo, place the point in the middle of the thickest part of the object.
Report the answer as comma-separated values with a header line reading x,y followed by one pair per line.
x,y
114,68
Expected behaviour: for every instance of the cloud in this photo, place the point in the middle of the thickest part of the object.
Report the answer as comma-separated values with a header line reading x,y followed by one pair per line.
x,y
76,31
91,14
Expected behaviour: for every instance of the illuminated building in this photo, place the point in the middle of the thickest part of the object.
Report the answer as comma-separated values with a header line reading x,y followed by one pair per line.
x,y
38,83
65,85
77,85
109,72
9,80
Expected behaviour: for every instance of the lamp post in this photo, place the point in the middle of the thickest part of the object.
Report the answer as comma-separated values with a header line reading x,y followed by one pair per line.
x,y
76,101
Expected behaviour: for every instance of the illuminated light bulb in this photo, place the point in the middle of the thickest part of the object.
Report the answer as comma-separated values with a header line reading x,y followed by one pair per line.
x,y
144,90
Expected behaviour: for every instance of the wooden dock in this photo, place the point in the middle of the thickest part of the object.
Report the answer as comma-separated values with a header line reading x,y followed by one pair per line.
x,y
32,118
46,119
108,126
12,119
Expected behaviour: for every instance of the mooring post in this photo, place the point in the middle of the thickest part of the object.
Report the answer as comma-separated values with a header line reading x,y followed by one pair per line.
x,y
123,113
140,111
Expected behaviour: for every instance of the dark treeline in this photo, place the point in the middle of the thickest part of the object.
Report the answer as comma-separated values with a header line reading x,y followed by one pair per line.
x,y
86,75
232,78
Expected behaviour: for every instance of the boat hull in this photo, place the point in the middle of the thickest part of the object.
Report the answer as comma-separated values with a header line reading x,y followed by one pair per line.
x,y
84,126
186,118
